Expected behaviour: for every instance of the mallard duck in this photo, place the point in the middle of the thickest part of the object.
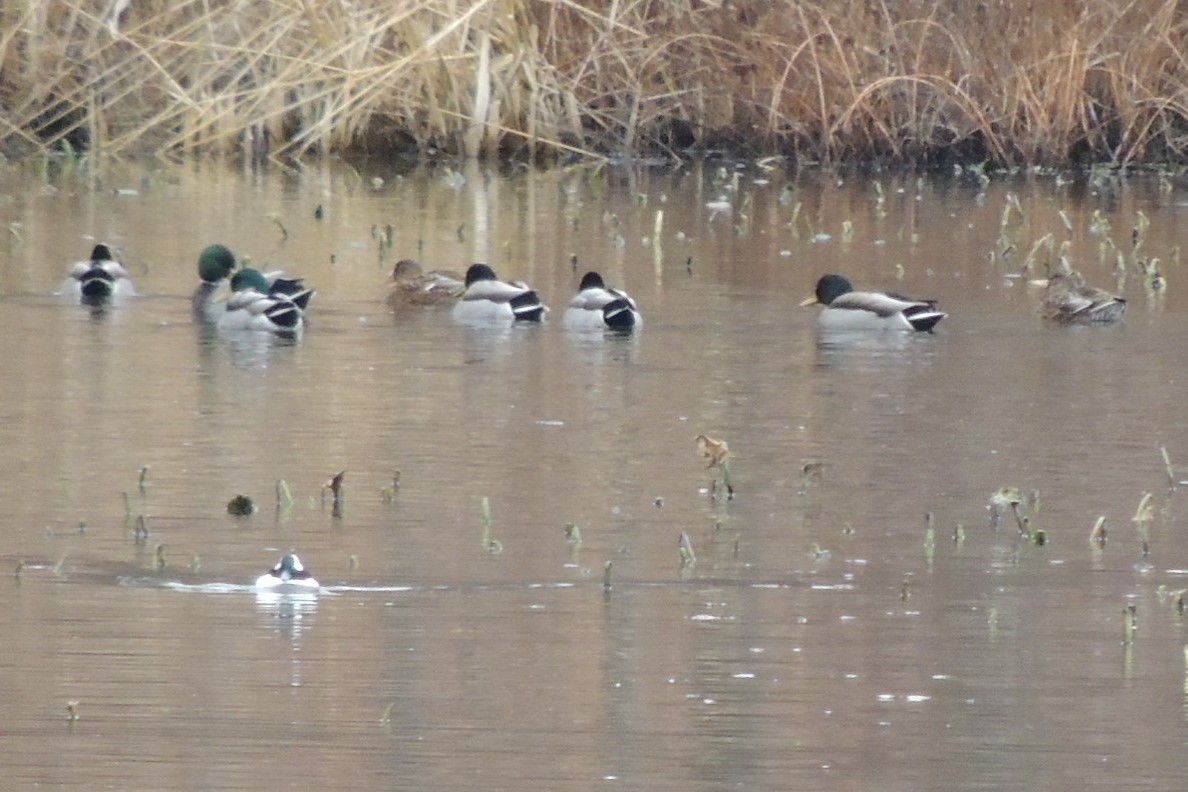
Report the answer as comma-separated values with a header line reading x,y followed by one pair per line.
x,y
487,298
1069,300
289,573
411,285
846,309
215,265
100,278
597,306
262,301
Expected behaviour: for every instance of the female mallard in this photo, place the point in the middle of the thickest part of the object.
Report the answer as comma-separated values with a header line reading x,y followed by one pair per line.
x,y
413,286
846,309
597,306
1069,300
486,298
215,265
288,574
100,278
265,302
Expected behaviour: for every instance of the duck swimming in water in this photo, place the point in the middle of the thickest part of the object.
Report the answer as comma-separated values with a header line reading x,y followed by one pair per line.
x,y
411,285
215,265
846,309
289,573
596,306
100,278
267,302
486,298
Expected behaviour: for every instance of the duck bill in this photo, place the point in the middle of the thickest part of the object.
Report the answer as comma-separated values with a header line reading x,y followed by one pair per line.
x,y
810,301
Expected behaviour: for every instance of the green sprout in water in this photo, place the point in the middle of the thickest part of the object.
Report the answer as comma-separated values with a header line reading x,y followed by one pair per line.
x,y
718,454
1006,498
685,548
1129,623
388,493
143,474
489,543
606,577
284,498
72,710
1143,517
1097,536
334,485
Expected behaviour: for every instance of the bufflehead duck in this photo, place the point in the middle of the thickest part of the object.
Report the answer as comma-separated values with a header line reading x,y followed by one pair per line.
x,y
289,572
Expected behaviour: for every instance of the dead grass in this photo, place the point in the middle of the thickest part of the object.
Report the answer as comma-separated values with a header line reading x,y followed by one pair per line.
x,y
1012,81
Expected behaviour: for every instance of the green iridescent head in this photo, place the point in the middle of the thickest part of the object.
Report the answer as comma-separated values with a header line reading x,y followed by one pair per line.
x,y
248,278
215,262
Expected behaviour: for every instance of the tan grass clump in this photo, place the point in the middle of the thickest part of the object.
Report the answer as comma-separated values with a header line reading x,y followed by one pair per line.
x,y
1008,80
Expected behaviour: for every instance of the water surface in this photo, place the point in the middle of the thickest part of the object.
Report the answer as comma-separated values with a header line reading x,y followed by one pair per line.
x,y
431,661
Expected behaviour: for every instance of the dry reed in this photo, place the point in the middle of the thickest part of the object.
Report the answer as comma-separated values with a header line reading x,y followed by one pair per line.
x,y
924,81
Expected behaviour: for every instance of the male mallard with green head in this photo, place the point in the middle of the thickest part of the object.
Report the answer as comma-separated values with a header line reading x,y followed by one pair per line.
x,y
215,265
268,302
846,309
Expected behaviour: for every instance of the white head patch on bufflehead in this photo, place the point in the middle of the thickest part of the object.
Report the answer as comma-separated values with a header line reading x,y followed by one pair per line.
x,y
288,572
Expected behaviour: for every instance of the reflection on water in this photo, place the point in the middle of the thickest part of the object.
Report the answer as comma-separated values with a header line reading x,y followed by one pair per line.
x,y
820,638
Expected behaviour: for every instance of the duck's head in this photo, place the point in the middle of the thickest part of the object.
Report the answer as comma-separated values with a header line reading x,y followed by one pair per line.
x,y
405,269
591,280
215,262
829,288
290,568
249,278
102,252
479,272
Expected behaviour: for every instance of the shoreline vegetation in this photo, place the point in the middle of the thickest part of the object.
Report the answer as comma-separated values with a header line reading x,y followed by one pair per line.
x,y
914,82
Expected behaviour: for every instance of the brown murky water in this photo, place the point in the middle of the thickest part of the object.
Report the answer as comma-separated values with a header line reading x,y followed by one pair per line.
x,y
431,663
